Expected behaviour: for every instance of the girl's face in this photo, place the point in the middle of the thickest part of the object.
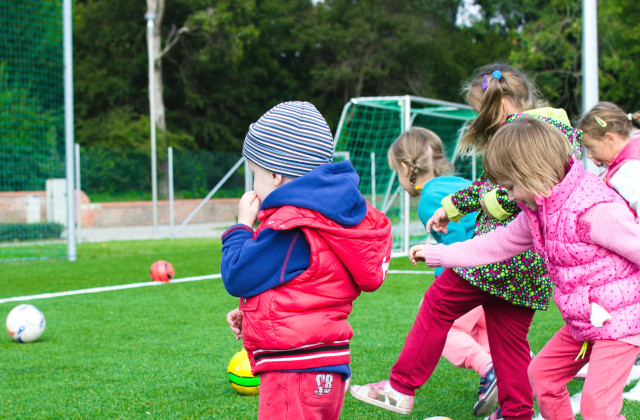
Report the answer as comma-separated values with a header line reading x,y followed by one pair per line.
x,y
602,151
519,194
263,181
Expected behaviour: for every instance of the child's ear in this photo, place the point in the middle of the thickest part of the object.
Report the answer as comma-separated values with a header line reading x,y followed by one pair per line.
x,y
609,138
277,179
405,168
508,108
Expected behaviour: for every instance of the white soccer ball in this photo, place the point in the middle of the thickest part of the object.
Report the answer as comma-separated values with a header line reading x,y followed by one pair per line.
x,y
25,323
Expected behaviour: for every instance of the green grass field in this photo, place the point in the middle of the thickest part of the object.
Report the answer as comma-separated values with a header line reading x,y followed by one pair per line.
x,y
161,352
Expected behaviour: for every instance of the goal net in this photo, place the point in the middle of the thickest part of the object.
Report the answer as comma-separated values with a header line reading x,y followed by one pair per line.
x,y
32,157
367,128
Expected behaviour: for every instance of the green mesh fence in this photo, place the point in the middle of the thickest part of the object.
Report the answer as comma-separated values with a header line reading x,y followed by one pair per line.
x,y
117,174
367,128
31,129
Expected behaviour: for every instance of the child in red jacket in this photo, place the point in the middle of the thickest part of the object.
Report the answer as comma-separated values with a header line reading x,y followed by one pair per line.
x,y
318,245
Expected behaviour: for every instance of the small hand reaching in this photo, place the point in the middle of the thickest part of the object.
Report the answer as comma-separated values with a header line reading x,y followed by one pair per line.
x,y
439,221
234,319
416,253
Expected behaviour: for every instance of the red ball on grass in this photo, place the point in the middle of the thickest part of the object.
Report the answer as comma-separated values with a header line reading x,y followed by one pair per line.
x,y
161,271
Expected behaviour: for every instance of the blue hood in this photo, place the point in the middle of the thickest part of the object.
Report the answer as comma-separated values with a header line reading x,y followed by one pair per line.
x,y
330,189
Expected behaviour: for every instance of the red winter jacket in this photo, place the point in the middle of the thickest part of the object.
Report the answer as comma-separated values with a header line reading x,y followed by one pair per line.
x,y
303,323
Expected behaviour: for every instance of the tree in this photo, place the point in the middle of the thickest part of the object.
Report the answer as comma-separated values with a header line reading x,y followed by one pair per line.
x,y
110,77
619,48
548,49
157,8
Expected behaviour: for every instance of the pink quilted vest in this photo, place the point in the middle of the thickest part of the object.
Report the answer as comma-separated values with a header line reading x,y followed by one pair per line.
x,y
583,272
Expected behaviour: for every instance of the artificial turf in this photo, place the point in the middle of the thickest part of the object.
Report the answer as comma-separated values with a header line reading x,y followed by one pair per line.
x,y
161,352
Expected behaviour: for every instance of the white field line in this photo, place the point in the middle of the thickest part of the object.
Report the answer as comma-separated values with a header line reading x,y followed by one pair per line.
x,y
106,288
409,272
143,284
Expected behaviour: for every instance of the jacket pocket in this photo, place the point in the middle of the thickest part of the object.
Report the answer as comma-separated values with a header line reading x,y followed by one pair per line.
x,y
253,336
249,304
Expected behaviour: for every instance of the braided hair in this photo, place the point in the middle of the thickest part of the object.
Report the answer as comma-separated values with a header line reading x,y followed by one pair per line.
x,y
422,151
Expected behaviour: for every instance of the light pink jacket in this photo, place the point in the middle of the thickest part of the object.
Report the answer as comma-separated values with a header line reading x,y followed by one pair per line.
x,y
582,271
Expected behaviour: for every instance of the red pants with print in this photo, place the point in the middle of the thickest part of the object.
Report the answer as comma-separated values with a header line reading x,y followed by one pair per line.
x,y
447,299
300,395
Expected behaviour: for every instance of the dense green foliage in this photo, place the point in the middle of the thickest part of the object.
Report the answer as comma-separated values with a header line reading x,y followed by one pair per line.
x,y
240,57
116,174
31,96
237,58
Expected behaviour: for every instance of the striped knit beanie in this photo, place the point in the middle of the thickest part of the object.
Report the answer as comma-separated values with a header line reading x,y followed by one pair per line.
x,y
291,139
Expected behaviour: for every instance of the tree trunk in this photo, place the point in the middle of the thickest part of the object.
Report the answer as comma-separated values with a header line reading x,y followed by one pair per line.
x,y
157,7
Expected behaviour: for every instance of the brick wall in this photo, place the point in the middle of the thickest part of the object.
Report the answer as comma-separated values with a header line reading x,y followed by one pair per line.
x,y
13,209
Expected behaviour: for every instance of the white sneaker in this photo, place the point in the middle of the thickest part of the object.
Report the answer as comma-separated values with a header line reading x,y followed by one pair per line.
x,y
382,395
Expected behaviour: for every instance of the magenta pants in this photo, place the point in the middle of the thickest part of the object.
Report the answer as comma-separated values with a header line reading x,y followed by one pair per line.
x,y
447,299
610,363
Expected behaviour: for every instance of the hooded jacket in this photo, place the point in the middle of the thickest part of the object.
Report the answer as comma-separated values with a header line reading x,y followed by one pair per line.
x,y
522,280
298,320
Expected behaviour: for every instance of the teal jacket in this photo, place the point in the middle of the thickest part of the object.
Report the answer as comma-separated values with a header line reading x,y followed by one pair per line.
x,y
432,194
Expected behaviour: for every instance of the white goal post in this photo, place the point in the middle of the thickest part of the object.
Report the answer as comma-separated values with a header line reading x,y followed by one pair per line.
x,y
368,126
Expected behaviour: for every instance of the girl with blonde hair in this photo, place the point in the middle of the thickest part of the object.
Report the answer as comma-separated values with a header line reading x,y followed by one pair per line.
x,y
509,291
591,246
424,171
612,140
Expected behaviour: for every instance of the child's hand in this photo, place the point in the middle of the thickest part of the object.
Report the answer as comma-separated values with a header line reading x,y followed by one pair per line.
x,y
416,253
248,209
438,221
234,319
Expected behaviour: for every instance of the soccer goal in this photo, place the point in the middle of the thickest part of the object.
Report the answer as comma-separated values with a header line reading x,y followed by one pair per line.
x,y
367,128
34,158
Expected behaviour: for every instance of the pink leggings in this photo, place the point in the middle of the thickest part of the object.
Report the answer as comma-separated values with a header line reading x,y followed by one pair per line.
x,y
447,299
610,362
467,344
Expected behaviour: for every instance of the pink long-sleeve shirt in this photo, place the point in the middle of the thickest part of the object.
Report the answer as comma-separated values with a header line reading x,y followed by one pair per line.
x,y
609,225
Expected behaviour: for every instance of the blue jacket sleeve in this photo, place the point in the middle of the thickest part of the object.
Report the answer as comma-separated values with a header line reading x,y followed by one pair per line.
x,y
430,202
250,267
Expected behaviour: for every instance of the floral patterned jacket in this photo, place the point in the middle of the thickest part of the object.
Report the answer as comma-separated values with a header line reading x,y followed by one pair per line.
x,y
521,280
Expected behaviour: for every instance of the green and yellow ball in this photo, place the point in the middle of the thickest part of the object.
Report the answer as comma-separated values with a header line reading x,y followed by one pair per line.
x,y
239,374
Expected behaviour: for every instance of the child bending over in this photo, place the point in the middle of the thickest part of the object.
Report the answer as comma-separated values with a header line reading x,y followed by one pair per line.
x,y
591,245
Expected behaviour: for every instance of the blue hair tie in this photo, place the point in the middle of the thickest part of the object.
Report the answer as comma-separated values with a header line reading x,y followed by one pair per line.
x,y
496,75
